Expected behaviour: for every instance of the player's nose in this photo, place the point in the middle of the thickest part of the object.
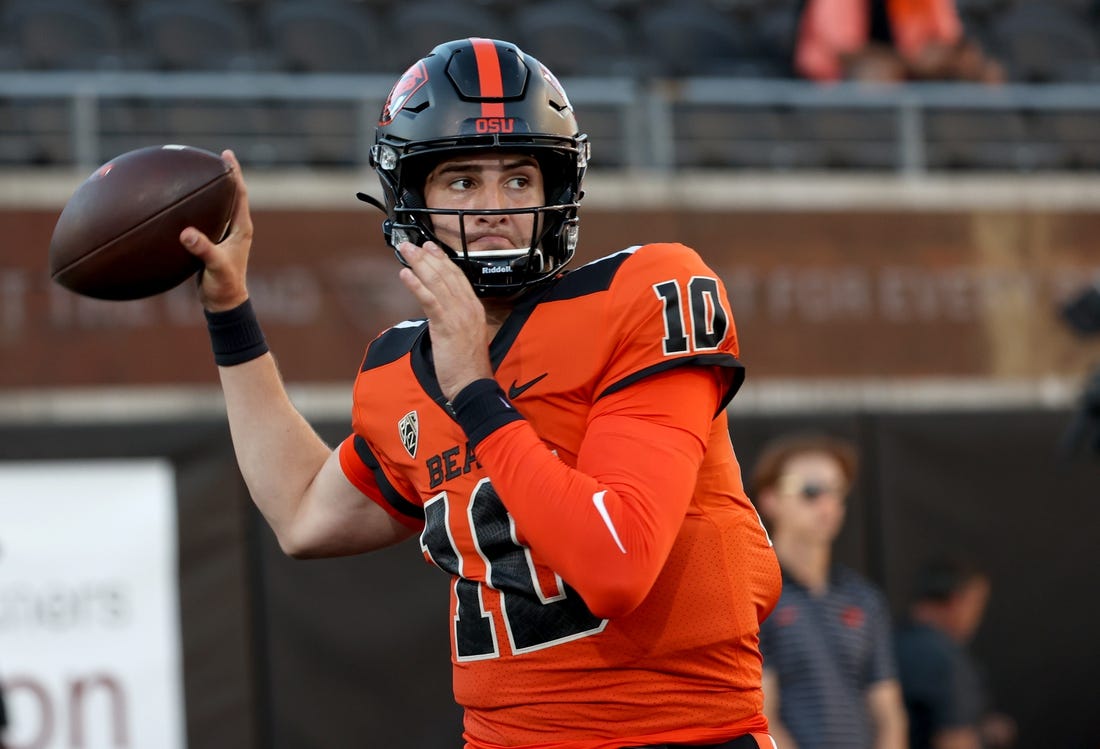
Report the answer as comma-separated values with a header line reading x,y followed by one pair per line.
x,y
493,197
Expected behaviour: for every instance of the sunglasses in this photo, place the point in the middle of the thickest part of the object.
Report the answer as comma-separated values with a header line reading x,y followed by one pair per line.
x,y
810,491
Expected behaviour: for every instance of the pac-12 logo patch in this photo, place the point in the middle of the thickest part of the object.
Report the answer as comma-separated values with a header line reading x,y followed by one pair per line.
x,y
409,429
410,83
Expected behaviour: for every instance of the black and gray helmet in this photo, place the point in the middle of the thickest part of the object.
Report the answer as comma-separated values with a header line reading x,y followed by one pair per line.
x,y
473,95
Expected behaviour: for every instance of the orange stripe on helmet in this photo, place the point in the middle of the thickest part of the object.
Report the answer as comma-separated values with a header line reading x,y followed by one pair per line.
x,y
489,76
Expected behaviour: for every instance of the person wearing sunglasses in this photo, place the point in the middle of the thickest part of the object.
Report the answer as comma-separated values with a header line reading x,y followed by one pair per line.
x,y
830,676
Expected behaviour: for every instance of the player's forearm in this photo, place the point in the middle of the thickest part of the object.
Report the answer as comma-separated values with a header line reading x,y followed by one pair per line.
x,y
607,525
278,452
884,702
891,731
783,738
957,738
606,534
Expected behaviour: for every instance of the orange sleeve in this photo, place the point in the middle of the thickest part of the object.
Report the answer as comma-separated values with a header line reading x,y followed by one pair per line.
x,y
607,526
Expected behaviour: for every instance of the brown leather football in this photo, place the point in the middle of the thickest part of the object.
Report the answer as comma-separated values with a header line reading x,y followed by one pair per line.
x,y
118,235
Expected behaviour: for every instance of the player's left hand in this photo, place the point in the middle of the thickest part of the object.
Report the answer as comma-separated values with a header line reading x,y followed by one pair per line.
x,y
456,317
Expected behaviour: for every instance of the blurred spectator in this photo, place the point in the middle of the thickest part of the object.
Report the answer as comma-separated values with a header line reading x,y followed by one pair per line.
x,y
942,684
888,41
829,672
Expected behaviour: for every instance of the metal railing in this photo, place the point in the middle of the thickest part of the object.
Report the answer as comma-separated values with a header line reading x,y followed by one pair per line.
x,y
644,124
910,104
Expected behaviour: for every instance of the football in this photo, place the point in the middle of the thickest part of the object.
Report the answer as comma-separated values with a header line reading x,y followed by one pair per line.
x,y
118,235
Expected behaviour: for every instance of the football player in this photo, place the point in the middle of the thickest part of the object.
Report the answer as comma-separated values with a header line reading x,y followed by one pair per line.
x,y
556,440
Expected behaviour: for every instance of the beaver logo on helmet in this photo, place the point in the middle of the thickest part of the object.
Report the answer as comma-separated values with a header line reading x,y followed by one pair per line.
x,y
555,84
415,77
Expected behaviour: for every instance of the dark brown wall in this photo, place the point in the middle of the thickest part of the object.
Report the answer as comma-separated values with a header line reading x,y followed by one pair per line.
x,y
815,294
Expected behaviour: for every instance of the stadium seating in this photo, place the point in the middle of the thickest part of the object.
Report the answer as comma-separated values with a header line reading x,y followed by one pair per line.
x,y
324,37
776,28
575,38
1046,42
649,47
694,38
422,24
850,138
36,131
723,137
975,139
64,35
1039,40
197,35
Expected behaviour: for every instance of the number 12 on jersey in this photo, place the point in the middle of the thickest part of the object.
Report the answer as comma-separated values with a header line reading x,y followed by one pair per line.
x,y
538,610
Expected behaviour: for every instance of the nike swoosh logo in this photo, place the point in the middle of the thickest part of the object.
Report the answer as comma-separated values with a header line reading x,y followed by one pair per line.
x,y
515,391
597,499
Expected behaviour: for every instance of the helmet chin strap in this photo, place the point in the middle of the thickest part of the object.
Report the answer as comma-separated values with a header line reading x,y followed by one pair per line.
x,y
371,200
512,253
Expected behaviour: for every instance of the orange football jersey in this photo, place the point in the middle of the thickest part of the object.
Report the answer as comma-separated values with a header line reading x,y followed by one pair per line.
x,y
565,502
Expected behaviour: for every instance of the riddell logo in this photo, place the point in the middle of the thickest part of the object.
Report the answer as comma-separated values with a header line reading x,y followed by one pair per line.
x,y
495,124
495,269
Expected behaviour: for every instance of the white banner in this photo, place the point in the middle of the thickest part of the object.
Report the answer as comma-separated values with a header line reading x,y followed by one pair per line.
x,y
89,605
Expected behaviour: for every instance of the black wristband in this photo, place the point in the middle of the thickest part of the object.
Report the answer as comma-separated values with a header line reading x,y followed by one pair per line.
x,y
235,335
480,408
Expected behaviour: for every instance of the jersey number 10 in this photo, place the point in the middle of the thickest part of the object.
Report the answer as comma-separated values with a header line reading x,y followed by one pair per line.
x,y
708,320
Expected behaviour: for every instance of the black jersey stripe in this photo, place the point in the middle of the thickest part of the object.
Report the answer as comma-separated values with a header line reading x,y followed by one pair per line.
x,y
701,360
393,344
389,493
591,278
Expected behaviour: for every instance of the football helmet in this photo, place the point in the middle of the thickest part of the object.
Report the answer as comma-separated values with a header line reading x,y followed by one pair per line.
x,y
473,95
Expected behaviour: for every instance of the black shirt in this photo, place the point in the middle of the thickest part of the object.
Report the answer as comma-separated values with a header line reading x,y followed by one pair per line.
x,y
940,682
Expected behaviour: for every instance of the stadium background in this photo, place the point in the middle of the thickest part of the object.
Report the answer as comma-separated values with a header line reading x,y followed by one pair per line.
x,y
897,259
